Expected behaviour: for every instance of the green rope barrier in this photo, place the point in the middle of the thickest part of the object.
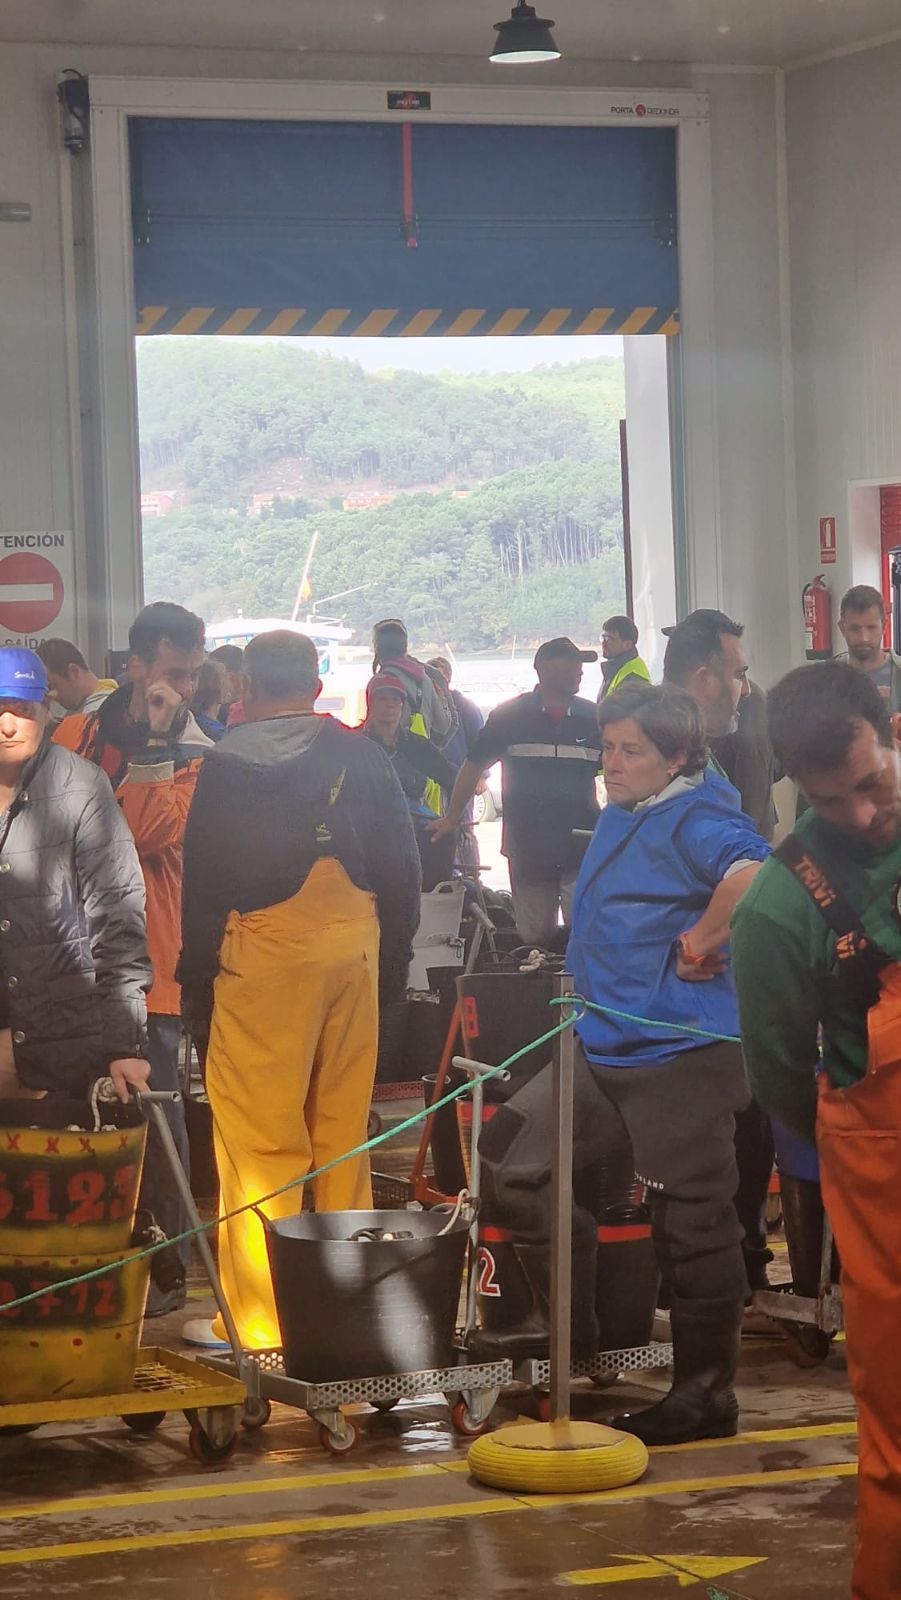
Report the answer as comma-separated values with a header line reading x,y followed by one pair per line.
x,y
296,1183
579,1006
647,1022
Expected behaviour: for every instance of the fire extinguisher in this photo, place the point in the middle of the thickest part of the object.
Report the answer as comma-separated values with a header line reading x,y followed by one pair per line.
x,y
817,604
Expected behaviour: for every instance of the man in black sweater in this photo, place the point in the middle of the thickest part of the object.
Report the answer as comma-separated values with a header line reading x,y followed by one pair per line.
x,y
301,898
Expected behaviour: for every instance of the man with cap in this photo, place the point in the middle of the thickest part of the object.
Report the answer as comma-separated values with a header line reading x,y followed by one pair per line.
x,y
705,655
550,750
301,898
417,763
74,968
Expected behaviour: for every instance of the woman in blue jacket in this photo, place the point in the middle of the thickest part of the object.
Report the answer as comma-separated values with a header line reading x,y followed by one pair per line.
x,y
670,857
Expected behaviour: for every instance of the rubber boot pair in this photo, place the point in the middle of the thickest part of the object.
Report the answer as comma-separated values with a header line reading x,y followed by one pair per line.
x,y
529,1339
701,1403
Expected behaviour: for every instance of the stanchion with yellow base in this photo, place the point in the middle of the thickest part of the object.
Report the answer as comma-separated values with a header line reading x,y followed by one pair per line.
x,y
559,1456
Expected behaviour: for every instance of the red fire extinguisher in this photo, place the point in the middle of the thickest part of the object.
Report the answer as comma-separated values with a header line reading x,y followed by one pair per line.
x,y
817,603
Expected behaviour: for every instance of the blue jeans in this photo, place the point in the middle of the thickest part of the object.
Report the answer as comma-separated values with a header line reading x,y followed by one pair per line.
x,y
158,1191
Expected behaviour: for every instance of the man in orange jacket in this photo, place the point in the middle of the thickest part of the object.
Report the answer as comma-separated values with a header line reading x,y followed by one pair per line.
x,y
148,743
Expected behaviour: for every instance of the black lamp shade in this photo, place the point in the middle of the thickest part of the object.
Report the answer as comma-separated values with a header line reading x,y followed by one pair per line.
x,y
524,37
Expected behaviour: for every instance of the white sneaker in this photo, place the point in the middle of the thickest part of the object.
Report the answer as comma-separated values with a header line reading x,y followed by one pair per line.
x,y
198,1333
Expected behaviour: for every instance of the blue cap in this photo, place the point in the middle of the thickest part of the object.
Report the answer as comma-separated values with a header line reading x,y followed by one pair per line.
x,y
23,675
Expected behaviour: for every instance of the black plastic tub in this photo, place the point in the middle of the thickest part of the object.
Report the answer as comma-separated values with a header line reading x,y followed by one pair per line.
x,y
360,1309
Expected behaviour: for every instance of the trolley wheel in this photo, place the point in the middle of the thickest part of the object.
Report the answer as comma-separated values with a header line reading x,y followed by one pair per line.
x,y
204,1450
543,1407
464,1422
385,1405
338,1444
606,1380
256,1413
144,1421
806,1346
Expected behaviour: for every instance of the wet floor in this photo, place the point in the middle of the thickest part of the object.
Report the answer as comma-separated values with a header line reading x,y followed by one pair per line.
x,y
96,1510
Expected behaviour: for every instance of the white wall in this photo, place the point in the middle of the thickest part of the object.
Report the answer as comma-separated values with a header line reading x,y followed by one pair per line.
x,y
650,495
35,476
755,524
844,144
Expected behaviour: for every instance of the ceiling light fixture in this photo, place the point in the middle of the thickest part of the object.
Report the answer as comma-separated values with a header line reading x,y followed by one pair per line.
x,y
524,38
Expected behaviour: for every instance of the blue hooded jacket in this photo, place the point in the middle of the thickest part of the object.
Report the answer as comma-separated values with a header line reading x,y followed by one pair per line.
x,y
647,876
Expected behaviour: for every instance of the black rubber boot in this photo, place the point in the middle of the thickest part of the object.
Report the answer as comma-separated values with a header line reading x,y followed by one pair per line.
x,y
529,1339
701,1403
803,1214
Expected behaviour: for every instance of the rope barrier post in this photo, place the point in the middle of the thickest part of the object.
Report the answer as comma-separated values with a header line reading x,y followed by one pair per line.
x,y
155,1111
562,1215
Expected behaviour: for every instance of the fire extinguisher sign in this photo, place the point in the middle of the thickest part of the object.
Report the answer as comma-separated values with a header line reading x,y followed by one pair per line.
x,y
827,541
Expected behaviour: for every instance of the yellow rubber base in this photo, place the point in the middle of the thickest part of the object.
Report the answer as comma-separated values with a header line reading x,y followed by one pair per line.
x,y
557,1457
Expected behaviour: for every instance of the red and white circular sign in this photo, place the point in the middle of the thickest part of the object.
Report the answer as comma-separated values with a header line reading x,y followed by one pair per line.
x,y
31,592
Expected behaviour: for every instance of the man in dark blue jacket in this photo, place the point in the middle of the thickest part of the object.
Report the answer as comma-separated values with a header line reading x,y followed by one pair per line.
x,y
547,744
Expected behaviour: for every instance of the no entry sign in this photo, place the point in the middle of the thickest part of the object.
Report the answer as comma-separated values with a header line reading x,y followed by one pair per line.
x,y
31,593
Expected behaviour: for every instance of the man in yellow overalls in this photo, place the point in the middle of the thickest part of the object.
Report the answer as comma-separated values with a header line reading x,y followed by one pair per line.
x,y
300,901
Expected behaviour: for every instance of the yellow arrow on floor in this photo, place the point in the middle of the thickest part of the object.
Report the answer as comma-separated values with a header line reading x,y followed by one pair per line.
x,y
685,1569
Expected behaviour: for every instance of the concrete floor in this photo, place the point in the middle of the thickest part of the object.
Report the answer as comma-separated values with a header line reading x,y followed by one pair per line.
x,y
766,1516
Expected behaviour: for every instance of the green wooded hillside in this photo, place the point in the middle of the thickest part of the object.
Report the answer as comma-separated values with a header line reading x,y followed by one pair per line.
x,y
504,516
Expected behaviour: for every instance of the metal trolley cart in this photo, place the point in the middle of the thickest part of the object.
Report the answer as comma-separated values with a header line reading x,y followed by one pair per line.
x,y
471,1391
163,1382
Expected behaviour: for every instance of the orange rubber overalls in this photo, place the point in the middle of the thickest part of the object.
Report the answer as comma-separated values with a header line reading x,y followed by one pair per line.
x,y
859,1143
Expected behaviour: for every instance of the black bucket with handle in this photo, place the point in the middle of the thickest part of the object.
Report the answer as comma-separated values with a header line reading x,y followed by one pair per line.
x,y
355,1304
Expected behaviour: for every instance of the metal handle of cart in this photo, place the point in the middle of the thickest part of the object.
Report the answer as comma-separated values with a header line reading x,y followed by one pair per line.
x,y
150,1103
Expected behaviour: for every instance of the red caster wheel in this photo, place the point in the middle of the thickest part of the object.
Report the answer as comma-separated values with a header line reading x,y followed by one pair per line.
x,y
204,1450
256,1414
464,1422
543,1407
338,1444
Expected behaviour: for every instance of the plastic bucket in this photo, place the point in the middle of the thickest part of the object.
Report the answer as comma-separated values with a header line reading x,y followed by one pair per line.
x,y
503,1295
502,1012
82,1340
447,1156
66,1192
628,1278
355,1309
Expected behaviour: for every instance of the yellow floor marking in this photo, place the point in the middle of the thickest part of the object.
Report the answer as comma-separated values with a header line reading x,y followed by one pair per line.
x,y
823,1430
230,1488
226,1489
687,1570
651,1491
439,1513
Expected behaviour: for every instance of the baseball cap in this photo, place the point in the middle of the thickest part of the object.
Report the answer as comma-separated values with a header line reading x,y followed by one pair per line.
x,y
562,650
383,683
23,675
714,621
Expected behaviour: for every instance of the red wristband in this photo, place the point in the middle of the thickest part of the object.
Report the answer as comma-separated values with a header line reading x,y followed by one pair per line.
x,y
684,949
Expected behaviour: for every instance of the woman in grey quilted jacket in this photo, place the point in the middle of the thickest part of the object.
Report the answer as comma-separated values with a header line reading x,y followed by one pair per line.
x,y
74,968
